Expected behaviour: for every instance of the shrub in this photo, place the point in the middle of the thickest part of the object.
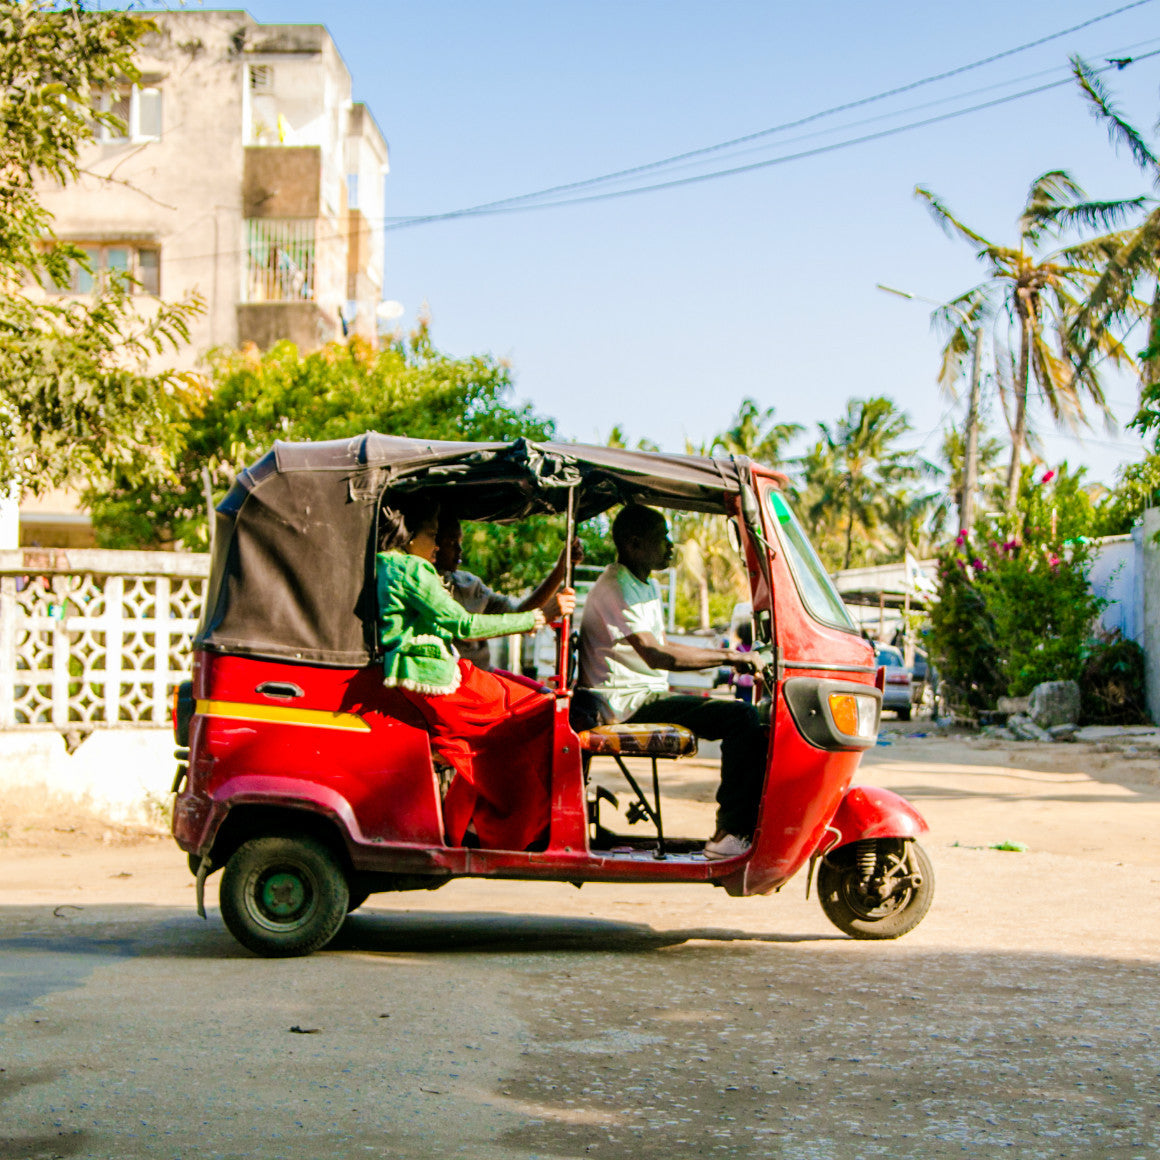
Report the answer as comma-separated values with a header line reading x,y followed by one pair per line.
x,y
1112,684
963,638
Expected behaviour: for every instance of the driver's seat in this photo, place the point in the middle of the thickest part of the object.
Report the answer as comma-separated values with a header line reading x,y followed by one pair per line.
x,y
653,741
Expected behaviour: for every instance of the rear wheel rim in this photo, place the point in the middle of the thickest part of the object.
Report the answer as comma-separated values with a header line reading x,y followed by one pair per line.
x,y
873,909
282,897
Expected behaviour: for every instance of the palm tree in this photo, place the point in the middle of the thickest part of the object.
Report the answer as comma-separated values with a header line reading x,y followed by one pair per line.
x,y
852,469
755,434
706,559
953,455
1132,257
1036,294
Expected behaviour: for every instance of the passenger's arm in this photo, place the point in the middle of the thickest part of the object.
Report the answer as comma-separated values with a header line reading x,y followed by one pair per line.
x,y
684,658
548,586
423,592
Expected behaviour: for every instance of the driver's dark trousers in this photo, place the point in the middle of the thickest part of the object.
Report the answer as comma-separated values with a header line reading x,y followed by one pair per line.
x,y
744,742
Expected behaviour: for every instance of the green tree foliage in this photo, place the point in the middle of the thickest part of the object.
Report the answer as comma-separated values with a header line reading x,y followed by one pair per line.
x,y
963,637
1137,487
76,395
343,389
756,434
849,475
1037,293
1127,290
1017,595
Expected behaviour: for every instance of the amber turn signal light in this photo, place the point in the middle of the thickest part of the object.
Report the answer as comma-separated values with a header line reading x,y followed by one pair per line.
x,y
853,715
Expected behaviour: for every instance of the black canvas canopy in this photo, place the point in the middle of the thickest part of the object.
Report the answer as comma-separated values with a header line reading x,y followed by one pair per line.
x,y
292,576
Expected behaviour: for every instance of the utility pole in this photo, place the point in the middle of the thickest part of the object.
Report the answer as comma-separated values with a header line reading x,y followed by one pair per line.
x,y
971,457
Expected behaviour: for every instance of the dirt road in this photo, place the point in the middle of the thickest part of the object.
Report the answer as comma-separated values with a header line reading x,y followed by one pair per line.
x,y
506,1020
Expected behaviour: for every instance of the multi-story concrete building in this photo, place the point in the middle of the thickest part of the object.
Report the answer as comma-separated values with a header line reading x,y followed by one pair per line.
x,y
247,174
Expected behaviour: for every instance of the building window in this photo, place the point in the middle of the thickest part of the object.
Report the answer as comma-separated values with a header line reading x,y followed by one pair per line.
x,y
279,260
352,191
141,264
139,110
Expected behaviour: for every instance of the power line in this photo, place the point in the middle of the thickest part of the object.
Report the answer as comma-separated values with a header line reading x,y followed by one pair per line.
x,y
731,172
394,224
694,153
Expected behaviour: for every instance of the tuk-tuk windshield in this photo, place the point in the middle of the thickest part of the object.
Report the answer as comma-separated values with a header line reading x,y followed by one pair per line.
x,y
813,581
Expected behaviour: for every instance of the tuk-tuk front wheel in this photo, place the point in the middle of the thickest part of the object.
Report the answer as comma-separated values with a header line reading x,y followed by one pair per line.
x,y
283,896
876,888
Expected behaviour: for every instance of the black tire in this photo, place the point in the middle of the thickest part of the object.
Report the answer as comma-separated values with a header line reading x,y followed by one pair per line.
x,y
904,714
859,916
283,896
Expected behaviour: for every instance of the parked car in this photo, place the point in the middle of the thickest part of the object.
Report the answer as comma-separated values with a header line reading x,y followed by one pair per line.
x,y
898,689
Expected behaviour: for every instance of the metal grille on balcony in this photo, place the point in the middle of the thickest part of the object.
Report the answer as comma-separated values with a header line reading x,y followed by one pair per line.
x,y
279,260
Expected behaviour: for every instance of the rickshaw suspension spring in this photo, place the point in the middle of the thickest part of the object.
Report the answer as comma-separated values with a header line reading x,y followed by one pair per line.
x,y
866,855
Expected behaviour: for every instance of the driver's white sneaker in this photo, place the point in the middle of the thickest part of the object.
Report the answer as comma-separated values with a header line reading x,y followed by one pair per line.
x,y
726,846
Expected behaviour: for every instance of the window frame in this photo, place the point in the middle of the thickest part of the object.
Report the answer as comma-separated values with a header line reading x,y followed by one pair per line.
x,y
133,135
100,250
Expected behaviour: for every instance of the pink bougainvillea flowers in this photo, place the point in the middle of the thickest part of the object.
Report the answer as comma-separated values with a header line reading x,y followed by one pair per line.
x,y
1048,476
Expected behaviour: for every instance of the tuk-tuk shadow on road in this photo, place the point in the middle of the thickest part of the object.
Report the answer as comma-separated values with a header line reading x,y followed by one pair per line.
x,y
529,933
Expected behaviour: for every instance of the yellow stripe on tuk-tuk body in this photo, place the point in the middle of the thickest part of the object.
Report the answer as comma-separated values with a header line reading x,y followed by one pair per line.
x,y
282,715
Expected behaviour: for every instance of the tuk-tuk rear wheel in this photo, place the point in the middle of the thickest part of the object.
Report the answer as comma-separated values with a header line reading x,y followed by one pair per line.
x,y
861,913
283,896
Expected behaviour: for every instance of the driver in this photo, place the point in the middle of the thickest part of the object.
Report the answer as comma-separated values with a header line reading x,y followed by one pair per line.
x,y
623,660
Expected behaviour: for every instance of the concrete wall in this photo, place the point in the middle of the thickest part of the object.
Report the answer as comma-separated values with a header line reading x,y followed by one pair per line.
x,y
1115,576
1151,609
123,775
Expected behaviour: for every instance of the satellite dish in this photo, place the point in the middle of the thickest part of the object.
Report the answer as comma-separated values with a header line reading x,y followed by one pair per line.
x,y
388,311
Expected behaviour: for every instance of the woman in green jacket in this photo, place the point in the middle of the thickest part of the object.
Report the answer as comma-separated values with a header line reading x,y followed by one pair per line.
x,y
495,731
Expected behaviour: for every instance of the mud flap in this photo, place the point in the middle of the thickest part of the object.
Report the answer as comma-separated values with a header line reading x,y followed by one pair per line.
x,y
203,869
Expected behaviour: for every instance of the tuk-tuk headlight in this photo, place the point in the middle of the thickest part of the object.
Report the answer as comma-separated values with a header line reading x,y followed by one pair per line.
x,y
854,715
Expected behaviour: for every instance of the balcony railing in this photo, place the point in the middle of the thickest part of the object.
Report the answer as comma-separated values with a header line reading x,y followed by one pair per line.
x,y
279,260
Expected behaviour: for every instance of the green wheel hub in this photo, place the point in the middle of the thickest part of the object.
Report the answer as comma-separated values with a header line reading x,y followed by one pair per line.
x,y
283,894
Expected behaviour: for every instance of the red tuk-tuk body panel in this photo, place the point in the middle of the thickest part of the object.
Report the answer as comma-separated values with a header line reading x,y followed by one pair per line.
x,y
325,738
804,788
867,811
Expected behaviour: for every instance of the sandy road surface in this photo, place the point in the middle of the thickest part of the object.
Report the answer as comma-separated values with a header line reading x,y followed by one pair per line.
x,y
506,1020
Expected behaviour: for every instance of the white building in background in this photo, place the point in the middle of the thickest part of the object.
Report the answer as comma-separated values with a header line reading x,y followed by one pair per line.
x,y
246,174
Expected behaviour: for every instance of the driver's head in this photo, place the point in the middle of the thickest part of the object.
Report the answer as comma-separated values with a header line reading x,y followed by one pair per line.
x,y
641,536
448,543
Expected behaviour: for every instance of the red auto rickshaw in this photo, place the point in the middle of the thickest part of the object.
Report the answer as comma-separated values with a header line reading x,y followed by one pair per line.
x,y
303,784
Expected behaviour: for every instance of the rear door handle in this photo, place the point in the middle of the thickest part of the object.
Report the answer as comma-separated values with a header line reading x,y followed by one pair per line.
x,y
283,690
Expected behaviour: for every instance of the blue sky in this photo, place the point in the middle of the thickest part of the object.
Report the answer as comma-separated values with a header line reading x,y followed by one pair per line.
x,y
662,311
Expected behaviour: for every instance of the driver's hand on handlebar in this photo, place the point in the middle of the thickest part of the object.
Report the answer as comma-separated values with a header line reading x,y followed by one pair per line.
x,y
743,662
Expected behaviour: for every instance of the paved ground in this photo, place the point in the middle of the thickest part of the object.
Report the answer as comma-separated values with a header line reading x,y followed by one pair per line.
x,y
534,1020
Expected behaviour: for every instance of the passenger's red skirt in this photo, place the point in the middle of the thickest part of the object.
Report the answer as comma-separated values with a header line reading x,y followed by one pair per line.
x,y
497,735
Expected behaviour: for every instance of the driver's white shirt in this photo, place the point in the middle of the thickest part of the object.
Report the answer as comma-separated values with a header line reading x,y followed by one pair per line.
x,y
617,606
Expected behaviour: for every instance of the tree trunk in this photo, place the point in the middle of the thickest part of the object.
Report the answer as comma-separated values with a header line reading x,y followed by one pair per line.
x,y
849,537
1019,428
703,598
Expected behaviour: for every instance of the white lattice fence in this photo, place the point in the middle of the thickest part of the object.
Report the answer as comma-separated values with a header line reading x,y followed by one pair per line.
x,y
93,639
